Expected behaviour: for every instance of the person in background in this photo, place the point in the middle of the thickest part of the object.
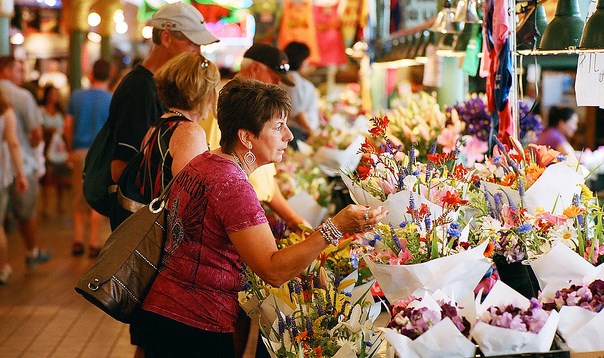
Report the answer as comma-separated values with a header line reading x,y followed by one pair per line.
x,y
177,28
11,170
562,125
29,130
270,65
87,112
53,121
305,101
216,227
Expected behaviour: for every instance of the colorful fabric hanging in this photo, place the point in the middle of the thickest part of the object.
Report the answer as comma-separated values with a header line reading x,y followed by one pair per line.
x,y
297,25
329,37
267,14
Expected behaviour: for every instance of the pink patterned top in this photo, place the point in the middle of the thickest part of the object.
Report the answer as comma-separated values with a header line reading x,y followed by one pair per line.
x,y
201,271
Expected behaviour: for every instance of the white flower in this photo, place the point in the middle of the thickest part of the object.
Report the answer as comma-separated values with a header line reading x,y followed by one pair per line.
x,y
566,234
490,226
410,181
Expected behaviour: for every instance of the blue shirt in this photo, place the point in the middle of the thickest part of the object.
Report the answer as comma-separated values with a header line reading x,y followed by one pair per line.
x,y
90,110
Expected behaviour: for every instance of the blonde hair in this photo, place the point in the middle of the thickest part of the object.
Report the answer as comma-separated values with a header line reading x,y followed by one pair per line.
x,y
186,81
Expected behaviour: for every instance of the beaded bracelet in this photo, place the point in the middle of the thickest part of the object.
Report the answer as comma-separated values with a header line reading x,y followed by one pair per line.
x,y
330,232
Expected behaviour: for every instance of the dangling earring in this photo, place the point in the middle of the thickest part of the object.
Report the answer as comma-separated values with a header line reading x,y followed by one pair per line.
x,y
249,157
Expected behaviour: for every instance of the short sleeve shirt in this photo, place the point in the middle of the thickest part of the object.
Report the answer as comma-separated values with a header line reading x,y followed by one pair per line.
x,y
202,273
134,108
90,109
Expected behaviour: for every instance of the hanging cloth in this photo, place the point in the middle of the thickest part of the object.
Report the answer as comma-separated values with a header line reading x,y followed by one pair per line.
x,y
297,25
329,36
266,14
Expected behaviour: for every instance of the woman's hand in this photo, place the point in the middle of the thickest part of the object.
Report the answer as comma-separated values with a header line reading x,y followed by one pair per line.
x,y
356,218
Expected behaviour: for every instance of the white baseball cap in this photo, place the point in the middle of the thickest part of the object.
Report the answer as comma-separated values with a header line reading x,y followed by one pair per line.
x,y
185,18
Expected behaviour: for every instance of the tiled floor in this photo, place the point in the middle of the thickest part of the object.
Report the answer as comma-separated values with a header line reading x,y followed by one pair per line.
x,y
40,313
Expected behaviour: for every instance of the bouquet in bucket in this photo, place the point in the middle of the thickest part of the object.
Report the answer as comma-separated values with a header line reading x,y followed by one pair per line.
x,y
419,322
538,178
323,318
389,177
508,323
581,315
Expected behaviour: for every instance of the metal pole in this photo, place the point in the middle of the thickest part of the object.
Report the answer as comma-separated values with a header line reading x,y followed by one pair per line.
x,y
513,97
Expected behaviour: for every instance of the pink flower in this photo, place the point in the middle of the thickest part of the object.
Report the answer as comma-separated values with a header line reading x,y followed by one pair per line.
x,y
474,150
447,138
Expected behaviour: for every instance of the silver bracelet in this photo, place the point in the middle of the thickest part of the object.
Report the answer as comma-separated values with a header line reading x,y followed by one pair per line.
x,y
330,232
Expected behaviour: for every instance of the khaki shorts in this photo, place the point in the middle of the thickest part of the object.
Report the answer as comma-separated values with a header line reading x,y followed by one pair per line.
x,y
23,205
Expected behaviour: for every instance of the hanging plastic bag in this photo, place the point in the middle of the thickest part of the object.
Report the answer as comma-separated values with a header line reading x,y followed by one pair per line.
x,y
57,149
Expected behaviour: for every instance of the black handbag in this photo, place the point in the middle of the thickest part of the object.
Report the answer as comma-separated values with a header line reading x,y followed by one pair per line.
x,y
119,280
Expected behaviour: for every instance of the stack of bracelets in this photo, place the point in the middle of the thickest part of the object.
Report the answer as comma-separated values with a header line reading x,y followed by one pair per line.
x,y
330,232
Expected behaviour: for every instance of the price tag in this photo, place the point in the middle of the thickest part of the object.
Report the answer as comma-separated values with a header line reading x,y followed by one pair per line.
x,y
589,83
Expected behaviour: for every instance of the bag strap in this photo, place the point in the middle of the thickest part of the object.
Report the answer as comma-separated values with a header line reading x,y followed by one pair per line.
x,y
163,197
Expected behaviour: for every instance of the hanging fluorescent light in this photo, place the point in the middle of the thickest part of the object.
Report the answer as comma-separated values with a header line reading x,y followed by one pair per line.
x,y
564,31
593,33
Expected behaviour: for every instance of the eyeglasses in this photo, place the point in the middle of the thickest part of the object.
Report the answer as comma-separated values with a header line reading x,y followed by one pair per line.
x,y
283,68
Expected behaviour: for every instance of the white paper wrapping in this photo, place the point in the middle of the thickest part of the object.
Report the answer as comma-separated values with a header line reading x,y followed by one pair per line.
x,y
499,341
553,191
456,275
441,340
553,275
308,208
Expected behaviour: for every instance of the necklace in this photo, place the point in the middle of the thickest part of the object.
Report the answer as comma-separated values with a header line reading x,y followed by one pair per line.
x,y
238,163
176,112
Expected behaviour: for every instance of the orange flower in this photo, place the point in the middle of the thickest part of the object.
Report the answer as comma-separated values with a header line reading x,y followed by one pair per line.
x,y
572,211
533,172
488,252
509,179
302,336
545,155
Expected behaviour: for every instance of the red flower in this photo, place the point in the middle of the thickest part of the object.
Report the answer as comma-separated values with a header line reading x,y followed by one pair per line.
x,y
441,158
367,147
363,171
460,171
452,199
379,126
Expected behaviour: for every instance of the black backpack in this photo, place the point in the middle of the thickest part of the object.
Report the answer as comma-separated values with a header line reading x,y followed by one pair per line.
x,y
98,185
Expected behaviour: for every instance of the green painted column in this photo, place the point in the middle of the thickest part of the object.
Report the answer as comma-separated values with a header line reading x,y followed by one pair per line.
x,y
7,8
76,39
106,48
454,83
4,35
107,9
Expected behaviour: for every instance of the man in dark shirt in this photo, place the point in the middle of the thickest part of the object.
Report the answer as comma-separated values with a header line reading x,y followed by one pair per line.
x,y
177,28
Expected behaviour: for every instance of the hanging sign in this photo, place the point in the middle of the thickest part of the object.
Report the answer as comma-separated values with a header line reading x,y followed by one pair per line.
x,y
589,83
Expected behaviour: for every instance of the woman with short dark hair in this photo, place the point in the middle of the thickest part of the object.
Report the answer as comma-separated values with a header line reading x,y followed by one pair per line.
x,y
216,227
561,127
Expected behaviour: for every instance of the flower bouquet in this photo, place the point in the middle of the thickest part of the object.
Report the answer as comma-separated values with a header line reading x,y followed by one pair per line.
x,y
420,326
329,319
581,315
537,178
388,177
508,323
416,122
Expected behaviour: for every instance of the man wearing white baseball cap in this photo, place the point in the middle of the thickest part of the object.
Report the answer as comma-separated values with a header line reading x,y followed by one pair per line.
x,y
135,106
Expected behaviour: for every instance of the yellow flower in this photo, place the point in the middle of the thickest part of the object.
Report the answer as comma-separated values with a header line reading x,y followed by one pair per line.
x,y
586,194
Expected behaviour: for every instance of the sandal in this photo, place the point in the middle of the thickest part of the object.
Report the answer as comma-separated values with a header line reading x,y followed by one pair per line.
x,y
93,252
77,249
